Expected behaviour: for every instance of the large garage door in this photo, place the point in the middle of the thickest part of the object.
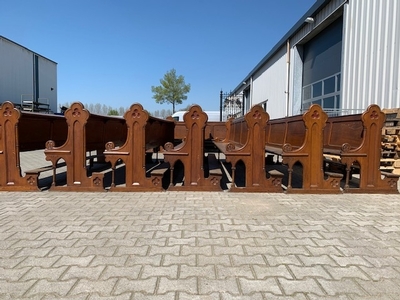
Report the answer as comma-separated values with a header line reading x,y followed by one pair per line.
x,y
322,59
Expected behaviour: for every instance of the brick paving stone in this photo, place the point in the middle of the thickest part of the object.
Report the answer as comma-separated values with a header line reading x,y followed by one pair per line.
x,y
263,272
83,261
168,260
381,288
90,242
254,296
192,271
339,273
43,286
141,296
324,250
102,287
188,285
377,274
212,241
13,274
224,272
95,296
170,272
348,261
234,250
204,260
131,272
251,234
146,286
250,286
240,260
266,250
306,286
207,286
118,261
186,296
126,250
317,260
44,262
336,246
294,250
154,250
383,261
203,250
283,260
172,241
298,296
313,272
345,286
50,274
91,273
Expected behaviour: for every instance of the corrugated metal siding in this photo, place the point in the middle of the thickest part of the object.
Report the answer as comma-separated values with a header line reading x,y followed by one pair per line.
x,y
325,13
371,49
270,84
16,71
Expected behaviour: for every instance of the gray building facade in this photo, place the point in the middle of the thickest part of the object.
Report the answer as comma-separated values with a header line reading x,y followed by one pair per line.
x,y
27,78
342,54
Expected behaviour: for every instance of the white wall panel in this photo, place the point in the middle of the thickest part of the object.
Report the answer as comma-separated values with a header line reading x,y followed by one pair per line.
x,y
371,47
269,83
48,81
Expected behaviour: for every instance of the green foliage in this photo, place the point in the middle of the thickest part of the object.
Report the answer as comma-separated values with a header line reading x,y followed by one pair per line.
x,y
173,89
113,112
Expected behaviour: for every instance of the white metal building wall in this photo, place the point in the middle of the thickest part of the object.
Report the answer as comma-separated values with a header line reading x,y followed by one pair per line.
x,y
48,82
16,71
371,53
269,83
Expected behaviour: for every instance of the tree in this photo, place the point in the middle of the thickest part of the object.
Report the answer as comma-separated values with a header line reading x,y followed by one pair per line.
x,y
112,112
173,89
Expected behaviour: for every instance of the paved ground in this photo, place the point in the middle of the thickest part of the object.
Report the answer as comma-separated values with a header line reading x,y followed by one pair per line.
x,y
177,245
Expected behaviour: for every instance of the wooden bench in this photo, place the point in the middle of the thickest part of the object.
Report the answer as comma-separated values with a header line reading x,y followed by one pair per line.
x,y
356,140
245,142
299,139
86,133
145,133
191,154
23,131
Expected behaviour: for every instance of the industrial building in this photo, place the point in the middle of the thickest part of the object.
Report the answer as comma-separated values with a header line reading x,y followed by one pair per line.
x,y
341,54
27,79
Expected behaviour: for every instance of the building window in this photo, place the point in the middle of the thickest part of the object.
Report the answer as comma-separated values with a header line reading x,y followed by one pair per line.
x,y
325,92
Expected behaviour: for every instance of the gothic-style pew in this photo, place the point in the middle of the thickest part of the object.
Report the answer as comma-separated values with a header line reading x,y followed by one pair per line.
x,y
300,139
245,141
24,131
356,139
145,133
86,132
191,154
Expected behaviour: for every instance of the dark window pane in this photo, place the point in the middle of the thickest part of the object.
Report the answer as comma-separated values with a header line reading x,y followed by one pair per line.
x,y
329,85
338,78
317,102
317,89
329,102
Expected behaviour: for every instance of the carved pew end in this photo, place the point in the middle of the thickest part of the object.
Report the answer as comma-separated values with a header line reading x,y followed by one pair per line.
x,y
276,177
159,175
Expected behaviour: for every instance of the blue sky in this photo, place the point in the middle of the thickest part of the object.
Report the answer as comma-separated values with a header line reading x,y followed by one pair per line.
x,y
112,51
